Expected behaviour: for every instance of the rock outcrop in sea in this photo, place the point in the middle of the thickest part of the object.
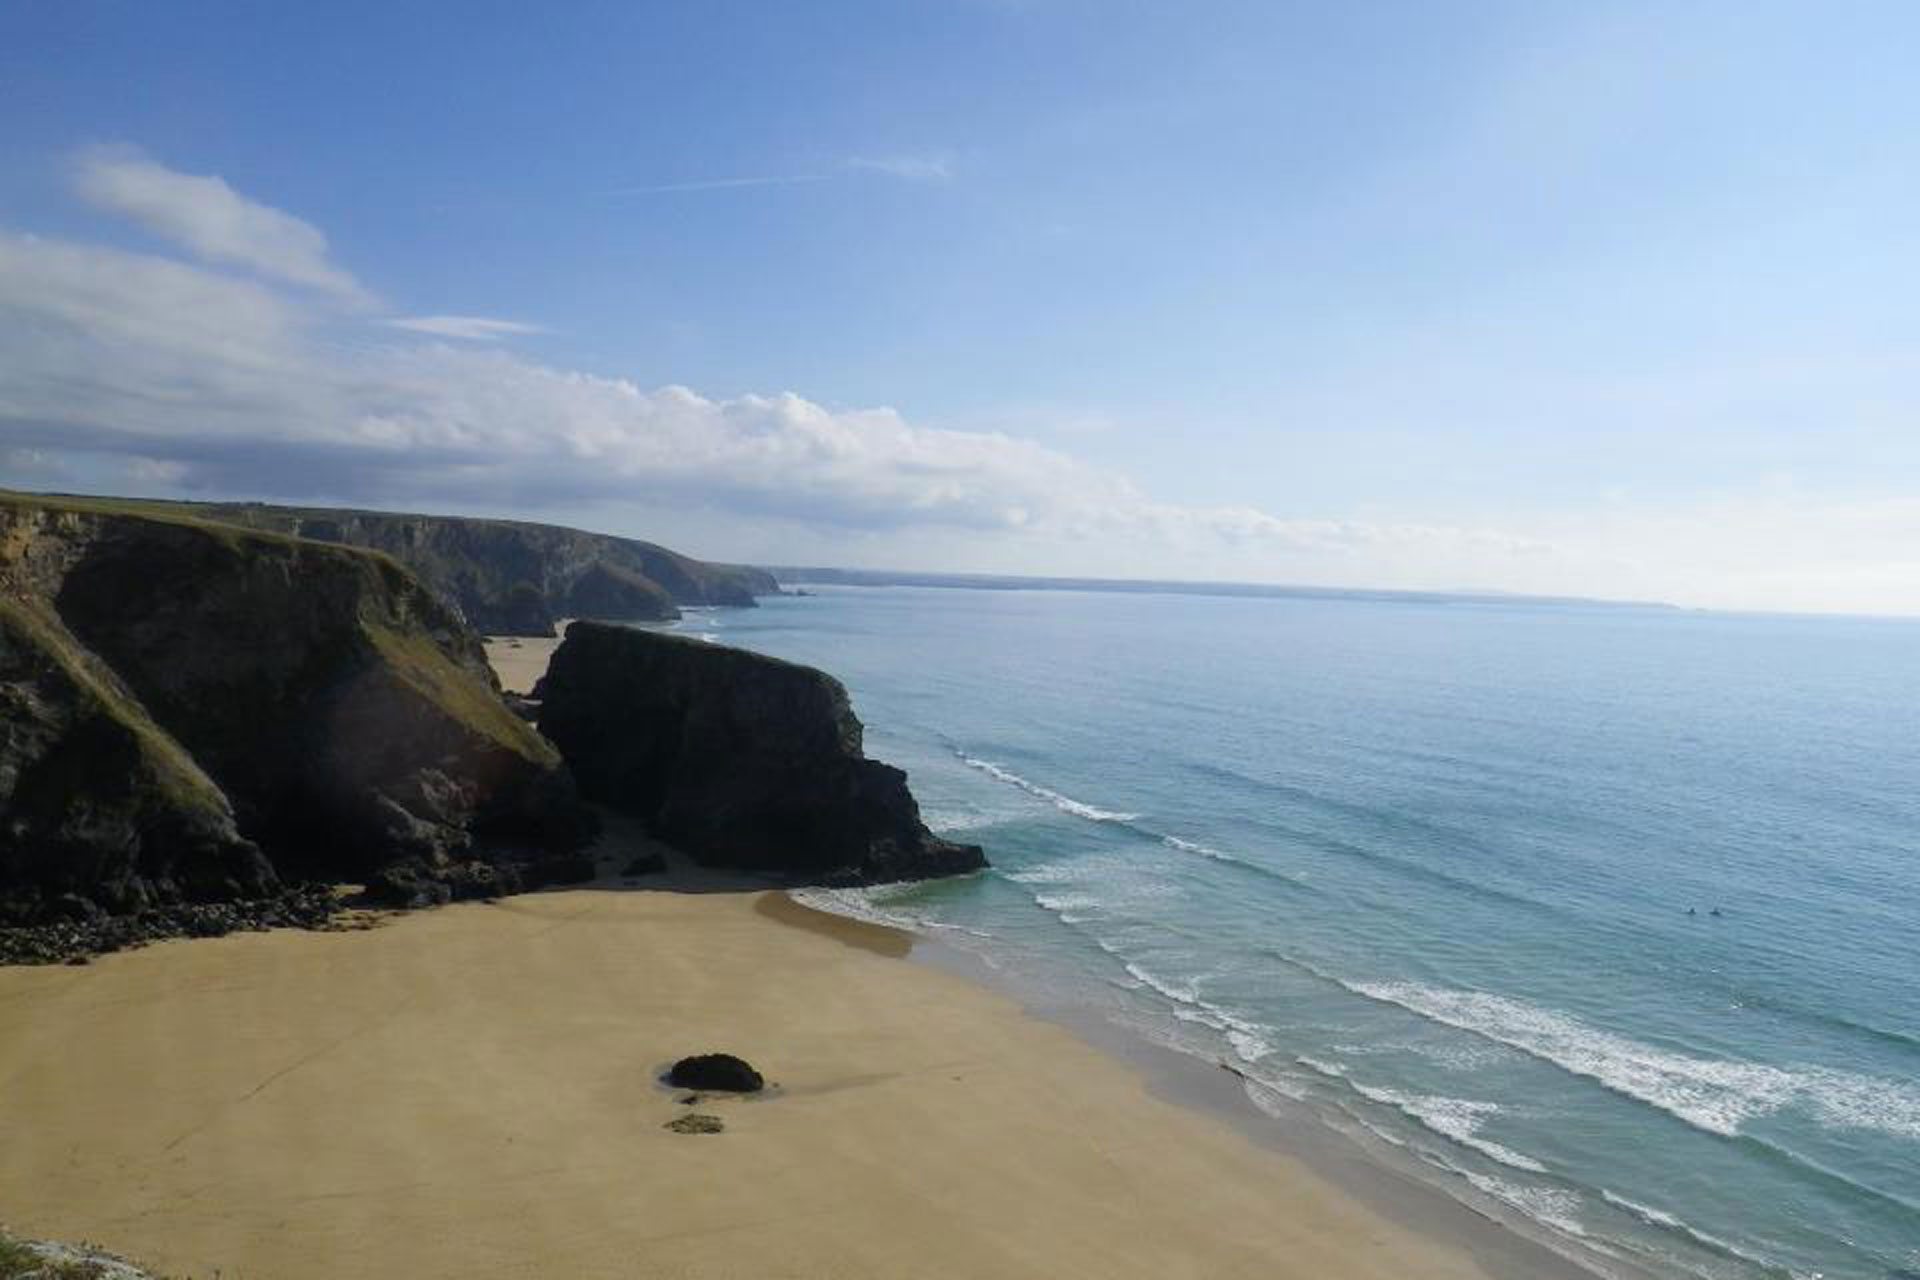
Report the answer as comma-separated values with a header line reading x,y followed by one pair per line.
x,y
507,577
192,712
741,760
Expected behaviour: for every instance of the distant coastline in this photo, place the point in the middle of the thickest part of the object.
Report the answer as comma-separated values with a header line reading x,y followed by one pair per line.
x,y
803,575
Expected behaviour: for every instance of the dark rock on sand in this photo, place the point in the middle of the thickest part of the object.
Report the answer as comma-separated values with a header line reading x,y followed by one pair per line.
x,y
740,760
192,713
715,1071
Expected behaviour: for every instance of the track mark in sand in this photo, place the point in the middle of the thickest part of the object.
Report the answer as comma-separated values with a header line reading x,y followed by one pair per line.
x,y
566,919
303,1060
506,907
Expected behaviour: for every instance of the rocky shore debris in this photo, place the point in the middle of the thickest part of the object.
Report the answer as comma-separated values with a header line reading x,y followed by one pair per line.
x,y
89,931
715,1072
695,1122
51,1260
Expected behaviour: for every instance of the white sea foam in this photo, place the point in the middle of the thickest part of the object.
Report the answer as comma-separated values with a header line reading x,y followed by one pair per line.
x,y
1066,804
1456,1118
1172,991
855,904
1268,1092
1047,873
867,905
1550,1205
1248,1039
1718,1095
1644,1212
1191,846
1659,1218
945,820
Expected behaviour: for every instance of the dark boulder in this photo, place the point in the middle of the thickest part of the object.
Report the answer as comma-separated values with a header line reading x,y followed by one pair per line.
x,y
715,1072
741,760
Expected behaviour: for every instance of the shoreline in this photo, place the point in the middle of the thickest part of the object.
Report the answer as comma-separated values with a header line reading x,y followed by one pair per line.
x,y
1504,1242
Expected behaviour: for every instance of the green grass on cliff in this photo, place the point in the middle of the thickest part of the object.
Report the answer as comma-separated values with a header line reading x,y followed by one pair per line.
x,y
132,508
234,537
181,780
426,668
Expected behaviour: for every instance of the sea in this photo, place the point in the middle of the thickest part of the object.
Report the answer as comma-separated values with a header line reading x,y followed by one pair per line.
x,y
1602,918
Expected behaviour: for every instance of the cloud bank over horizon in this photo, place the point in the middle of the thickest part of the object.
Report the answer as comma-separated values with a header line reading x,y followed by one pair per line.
x,y
249,363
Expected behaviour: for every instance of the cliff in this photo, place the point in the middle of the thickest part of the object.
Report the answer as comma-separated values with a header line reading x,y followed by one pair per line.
x,y
511,578
193,712
738,759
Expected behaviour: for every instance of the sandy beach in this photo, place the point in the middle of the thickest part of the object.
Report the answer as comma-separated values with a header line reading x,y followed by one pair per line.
x,y
521,660
472,1092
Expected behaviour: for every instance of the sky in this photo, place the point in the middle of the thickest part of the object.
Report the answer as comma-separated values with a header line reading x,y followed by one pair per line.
x,y
1598,299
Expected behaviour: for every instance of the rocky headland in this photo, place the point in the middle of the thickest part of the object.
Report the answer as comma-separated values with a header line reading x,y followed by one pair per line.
x,y
508,577
740,760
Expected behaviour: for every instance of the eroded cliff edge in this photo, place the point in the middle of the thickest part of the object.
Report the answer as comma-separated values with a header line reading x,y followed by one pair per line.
x,y
193,712
740,760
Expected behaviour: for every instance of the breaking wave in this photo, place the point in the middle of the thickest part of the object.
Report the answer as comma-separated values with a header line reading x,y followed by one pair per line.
x,y
1717,1095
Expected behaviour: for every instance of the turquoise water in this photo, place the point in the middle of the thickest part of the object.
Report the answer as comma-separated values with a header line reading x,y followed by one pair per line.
x,y
1425,870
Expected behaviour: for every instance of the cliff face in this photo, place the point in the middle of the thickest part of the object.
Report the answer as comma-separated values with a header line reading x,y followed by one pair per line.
x,y
510,578
101,806
741,760
193,712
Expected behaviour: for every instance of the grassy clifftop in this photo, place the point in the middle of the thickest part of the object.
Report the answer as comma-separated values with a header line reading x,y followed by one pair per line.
x,y
505,577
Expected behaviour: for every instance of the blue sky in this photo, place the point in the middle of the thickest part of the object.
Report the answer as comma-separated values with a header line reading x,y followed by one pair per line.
x,y
1598,299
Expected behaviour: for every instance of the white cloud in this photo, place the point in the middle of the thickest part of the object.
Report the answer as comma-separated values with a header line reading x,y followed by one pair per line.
x,y
469,328
211,220
183,376
239,387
